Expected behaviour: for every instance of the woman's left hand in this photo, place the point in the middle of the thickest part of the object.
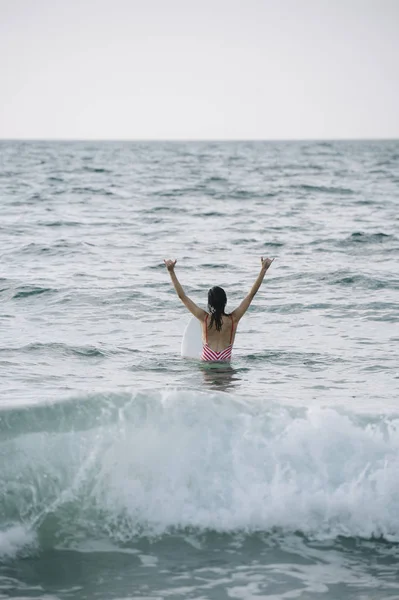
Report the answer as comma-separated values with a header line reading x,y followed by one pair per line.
x,y
170,264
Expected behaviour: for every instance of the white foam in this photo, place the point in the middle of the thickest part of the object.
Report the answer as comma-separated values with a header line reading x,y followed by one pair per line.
x,y
190,460
15,539
217,464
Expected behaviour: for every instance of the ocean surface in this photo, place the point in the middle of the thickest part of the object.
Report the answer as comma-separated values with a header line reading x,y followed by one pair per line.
x,y
127,472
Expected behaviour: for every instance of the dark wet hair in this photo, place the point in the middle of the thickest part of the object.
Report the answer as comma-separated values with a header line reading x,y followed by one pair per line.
x,y
217,300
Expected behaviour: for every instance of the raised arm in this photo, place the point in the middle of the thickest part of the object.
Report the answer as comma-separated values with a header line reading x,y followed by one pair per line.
x,y
188,303
242,309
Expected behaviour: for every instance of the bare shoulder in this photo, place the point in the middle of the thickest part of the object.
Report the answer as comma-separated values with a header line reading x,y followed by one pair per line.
x,y
203,316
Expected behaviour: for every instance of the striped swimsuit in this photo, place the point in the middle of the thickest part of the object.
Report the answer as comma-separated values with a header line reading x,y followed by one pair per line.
x,y
212,355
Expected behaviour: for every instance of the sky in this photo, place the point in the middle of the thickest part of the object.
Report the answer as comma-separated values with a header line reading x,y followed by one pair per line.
x,y
199,69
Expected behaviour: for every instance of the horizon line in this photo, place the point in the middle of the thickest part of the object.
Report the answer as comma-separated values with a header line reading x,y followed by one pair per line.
x,y
196,140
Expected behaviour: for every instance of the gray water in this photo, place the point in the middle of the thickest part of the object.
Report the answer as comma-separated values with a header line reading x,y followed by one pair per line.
x,y
128,472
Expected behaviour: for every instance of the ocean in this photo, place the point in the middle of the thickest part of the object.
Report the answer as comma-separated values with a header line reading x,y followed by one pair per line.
x,y
127,472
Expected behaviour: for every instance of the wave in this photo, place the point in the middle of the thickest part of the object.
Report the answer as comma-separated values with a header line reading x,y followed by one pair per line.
x,y
96,169
59,223
363,281
58,348
57,248
92,190
323,188
179,191
24,291
359,237
148,464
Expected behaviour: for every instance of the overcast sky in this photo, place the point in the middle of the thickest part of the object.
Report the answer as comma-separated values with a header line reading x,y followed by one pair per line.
x,y
199,69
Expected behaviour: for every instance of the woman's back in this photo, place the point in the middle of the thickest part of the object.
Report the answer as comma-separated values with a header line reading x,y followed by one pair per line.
x,y
218,340
218,343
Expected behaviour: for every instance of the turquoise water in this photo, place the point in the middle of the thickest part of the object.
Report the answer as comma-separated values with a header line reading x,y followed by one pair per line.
x,y
127,472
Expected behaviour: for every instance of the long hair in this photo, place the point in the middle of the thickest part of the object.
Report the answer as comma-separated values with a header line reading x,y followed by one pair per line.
x,y
217,300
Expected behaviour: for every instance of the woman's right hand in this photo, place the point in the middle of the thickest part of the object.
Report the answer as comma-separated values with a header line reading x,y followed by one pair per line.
x,y
170,264
266,262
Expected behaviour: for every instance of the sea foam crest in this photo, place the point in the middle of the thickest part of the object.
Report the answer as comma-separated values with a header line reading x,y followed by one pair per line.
x,y
153,462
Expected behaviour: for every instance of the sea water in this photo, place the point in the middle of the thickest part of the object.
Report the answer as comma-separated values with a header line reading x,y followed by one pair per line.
x,y
128,472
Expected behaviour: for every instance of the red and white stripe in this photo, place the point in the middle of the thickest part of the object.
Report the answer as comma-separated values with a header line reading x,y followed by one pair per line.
x,y
212,355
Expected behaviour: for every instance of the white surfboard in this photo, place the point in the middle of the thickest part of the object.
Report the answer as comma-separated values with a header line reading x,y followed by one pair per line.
x,y
191,345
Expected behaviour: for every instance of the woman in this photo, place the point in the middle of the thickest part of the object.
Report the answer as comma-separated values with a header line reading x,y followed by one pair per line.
x,y
218,328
